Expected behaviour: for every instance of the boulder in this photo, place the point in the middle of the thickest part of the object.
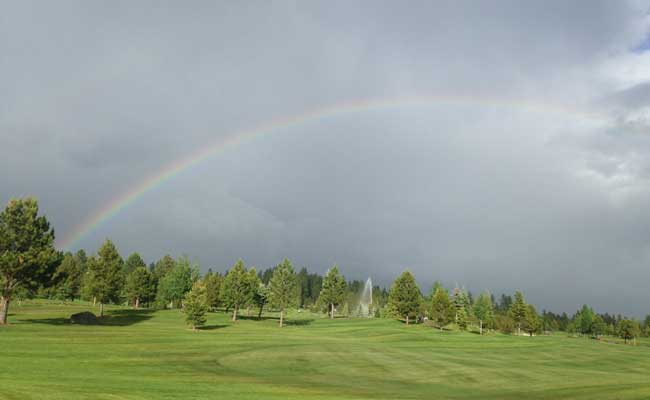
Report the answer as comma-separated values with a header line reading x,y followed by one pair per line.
x,y
84,318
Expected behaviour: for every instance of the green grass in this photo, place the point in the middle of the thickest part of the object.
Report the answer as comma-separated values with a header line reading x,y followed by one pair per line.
x,y
152,355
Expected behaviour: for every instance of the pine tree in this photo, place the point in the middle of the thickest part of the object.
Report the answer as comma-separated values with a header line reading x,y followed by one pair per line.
x,y
132,262
27,255
585,319
213,286
260,298
518,310
68,278
531,320
333,290
405,297
628,329
195,306
461,319
442,311
139,286
283,288
598,328
236,288
484,310
177,282
105,276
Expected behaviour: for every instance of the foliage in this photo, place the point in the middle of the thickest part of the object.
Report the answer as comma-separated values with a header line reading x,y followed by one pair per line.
x,y
532,323
461,319
518,310
236,290
333,290
104,277
213,285
139,286
27,254
484,310
260,298
628,329
68,278
195,306
132,262
177,282
283,287
404,297
442,311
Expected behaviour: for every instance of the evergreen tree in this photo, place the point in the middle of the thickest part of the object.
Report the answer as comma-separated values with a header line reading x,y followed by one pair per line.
x,y
461,319
132,262
283,288
68,278
213,285
405,297
518,310
27,255
346,310
531,320
195,306
628,329
139,286
585,319
177,282
260,298
598,328
460,301
105,276
484,310
236,288
253,282
442,311
333,290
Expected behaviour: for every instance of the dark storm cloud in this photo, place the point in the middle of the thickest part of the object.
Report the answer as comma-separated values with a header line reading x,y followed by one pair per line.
x,y
495,194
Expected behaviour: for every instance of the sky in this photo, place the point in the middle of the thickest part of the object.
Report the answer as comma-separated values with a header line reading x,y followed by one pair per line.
x,y
525,163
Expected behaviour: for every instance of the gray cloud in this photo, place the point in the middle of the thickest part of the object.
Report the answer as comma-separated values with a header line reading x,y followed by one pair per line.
x,y
511,190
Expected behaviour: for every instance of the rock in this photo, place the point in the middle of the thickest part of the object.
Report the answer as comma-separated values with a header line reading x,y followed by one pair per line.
x,y
84,318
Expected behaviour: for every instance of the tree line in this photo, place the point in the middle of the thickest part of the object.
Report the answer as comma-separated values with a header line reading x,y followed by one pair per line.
x,y
31,266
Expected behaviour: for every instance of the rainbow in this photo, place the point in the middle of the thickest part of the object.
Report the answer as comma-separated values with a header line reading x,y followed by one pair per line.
x,y
113,207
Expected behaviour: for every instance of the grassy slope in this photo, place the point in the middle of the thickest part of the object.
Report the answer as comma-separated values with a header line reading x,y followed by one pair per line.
x,y
144,355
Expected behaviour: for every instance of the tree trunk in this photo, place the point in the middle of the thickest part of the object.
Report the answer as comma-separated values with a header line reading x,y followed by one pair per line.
x,y
407,320
94,301
4,310
519,329
281,317
480,327
248,311
332,311
259,315
137,303
234,313
101,309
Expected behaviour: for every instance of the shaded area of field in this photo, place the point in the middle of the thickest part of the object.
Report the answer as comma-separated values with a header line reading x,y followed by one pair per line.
x,y
151,355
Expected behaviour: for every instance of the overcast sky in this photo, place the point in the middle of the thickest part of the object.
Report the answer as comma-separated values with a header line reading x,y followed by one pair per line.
x,y
540,181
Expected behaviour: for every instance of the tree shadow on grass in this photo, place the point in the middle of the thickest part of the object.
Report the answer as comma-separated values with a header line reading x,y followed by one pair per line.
x,y
298,322
125,317
212,327
288,322
110,318
254,318
48,321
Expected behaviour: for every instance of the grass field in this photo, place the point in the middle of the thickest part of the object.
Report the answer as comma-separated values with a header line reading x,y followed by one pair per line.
x,y
152,355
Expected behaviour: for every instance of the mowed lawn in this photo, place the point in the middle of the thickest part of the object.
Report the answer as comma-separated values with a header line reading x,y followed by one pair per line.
x,y
152,355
